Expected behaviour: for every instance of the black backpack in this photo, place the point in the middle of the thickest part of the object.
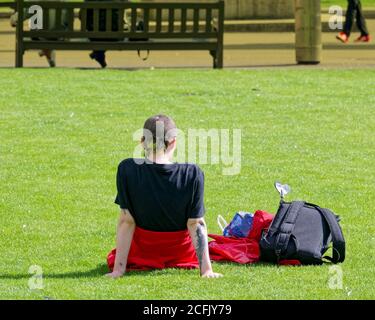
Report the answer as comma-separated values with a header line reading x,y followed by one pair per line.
x,y
303,231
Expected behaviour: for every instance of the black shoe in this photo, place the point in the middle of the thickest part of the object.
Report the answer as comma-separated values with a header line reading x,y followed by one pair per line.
x,y
99,57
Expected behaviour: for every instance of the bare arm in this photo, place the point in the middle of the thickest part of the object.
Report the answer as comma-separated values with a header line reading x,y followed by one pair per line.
x,y
125,232
198,233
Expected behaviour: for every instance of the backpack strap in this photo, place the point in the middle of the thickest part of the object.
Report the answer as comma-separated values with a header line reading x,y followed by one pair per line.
x,y
337,236
279,217
287,227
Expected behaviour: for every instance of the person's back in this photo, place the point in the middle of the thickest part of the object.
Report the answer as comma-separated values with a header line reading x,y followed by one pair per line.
x,y
162,208
161,197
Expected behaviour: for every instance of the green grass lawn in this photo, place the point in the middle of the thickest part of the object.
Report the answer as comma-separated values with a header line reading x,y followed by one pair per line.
x,y
63,132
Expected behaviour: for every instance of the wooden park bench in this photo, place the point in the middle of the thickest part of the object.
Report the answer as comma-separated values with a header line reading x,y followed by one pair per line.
x,y
166,26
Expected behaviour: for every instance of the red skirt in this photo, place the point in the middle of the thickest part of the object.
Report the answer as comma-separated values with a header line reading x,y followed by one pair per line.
x,y
158,250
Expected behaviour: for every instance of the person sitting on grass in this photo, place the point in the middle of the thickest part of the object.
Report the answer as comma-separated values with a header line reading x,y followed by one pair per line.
x,y
161,221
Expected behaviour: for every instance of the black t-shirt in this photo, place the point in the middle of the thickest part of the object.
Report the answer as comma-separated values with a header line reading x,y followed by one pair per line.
x,y
160,197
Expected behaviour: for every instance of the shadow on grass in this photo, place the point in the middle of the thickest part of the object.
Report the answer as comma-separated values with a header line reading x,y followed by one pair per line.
x,y
259,264
97,272
102,269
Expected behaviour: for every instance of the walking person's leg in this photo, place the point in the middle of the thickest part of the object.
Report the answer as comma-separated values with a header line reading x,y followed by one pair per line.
x,y
50,56
350,15
54,24
361,24
349,20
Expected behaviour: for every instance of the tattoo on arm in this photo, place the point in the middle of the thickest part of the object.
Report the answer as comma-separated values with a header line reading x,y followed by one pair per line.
x,y
201,242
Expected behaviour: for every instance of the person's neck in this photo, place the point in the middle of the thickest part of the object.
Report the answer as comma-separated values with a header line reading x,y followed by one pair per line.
x,y
159,158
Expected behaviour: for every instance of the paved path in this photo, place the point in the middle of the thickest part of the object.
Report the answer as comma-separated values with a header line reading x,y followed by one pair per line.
x,y
241,50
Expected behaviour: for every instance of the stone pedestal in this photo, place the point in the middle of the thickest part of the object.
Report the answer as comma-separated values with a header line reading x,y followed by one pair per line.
x,y
308,31
259,9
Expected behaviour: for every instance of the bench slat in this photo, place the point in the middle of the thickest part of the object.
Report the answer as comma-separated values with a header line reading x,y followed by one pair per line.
x,y
8,4
171,20
83,14
121,20
46,19
133,20
141,45
183,19
196,21
58,18
96,20
70,19
19,35
115,35
158,20
208,20
146,20
108,20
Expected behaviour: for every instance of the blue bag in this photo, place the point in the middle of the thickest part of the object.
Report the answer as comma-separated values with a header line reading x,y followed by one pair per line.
x,y
240,225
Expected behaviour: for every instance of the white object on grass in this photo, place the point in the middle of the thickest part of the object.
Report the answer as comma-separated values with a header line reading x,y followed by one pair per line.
x,y
283,189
